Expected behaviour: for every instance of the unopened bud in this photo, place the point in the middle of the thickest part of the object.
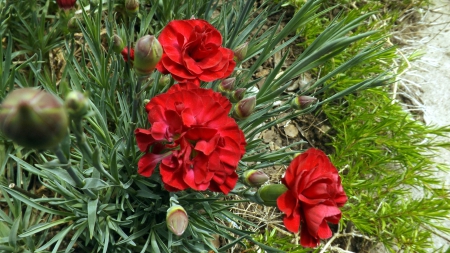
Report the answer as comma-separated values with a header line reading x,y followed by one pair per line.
x,y
117,44
76,104
66,4
164,80
177,220
240,52
238,94
244,108
302,102
269,194
33,118
227,85
255,178
132,7
147,53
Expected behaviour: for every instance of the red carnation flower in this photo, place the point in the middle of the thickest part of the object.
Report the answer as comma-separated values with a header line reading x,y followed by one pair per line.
x,y
125,54
193,52
196,143
66,4
313,197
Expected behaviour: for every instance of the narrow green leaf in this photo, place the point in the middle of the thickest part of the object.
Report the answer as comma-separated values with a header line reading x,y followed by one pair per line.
x,y
95,184
92,215
35,205
43,226
13,232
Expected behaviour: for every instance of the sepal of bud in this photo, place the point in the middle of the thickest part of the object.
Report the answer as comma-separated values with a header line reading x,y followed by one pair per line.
x,y
255,178
177,219
240,52
238,94
227,85
33,118
132,7
147,53
269,194
72,25
244,108
302,102
117,44
76,104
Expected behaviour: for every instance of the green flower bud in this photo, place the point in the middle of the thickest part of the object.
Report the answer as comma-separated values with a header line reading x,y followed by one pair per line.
x,y
164,80
255,178
240,52
269,194
117,44
227,85
147,53
244,108
238,94
302,102
177,220
132,7
76,104
33,118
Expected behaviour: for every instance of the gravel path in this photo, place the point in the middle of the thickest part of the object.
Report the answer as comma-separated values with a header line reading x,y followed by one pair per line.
x,y
431,75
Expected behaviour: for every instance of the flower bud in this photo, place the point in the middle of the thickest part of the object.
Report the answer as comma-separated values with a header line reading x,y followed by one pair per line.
x,y
177,219
238,94
302,102
269,194
240,52
132,7
66,4
164,80
76,104
147,53
244,108
117,44
255,178
33,118
227,85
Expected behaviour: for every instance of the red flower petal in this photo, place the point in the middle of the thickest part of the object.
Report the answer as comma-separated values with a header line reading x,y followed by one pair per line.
x,y
306,239
148,162
144,139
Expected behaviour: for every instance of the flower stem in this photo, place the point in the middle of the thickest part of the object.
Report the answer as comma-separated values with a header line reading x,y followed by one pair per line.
x,y
134,112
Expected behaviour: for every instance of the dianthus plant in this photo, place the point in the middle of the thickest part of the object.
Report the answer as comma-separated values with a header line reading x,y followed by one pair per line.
x,y
134,126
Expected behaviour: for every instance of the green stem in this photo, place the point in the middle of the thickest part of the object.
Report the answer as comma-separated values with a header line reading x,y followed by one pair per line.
x,y
134,112
81,139
78,181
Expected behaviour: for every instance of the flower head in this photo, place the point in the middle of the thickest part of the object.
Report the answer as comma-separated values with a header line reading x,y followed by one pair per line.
x,y
313,197
66,4
196,143
193,52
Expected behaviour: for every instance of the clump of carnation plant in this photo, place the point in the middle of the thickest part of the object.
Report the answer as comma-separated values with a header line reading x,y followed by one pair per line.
x,y
164,106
